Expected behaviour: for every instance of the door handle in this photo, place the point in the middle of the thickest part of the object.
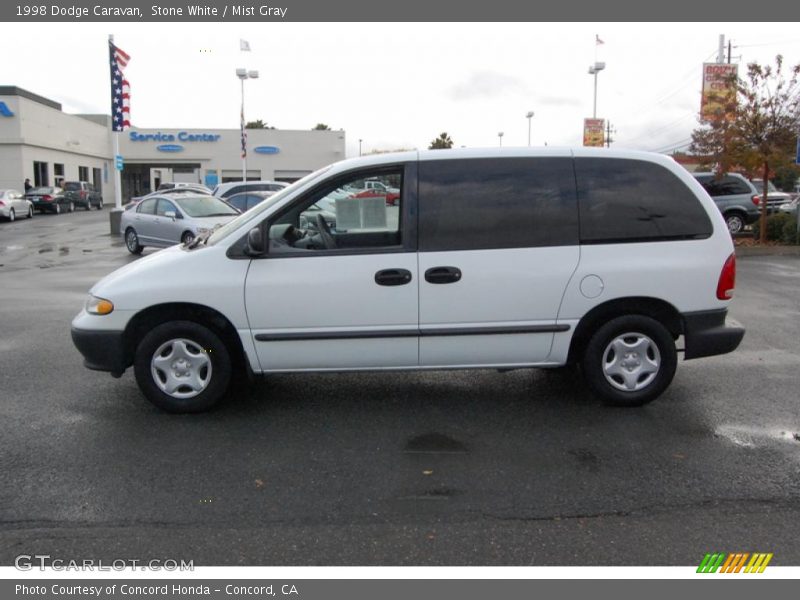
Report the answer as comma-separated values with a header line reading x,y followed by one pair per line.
x,y
393,277
443,275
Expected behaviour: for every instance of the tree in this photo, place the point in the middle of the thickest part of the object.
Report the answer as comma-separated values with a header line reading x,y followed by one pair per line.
x,y
258,124
761,132
442,142
320,127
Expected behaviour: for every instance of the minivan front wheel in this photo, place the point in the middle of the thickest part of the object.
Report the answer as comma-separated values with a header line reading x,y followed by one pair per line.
x,y
735,222
182,367
630,360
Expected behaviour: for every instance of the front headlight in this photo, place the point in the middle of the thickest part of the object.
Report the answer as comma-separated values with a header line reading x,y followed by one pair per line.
x,y
99,306
201,230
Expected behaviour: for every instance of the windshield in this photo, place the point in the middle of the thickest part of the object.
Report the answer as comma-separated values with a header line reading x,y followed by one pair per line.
x,y
759,183
258,209
204,206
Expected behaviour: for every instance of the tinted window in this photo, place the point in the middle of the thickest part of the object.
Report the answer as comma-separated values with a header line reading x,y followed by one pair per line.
x,y
72,186
725,186
630,200
239,201
148,206
497,203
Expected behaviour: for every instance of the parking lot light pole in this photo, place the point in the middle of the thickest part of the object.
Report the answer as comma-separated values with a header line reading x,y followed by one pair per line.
x,y
528,116
243,74
594,70
500,135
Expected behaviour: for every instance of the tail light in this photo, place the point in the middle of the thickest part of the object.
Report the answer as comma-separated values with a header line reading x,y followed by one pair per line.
x,y
47,197
2,203
83,194
756,200
727,279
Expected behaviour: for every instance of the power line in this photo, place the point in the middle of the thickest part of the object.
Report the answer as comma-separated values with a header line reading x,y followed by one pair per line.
x,y
674,145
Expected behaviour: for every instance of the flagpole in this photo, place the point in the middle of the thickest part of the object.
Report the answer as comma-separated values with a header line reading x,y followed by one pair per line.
x,y
244,143
115,145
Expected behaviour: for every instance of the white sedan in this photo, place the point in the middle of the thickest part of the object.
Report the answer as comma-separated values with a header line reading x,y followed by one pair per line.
x,y
13,204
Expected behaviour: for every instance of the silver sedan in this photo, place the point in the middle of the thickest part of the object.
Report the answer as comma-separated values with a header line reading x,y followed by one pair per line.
x,y
13,204
163,221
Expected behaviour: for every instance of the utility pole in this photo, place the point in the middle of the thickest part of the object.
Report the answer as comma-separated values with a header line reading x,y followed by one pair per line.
x,y
721,50
729,52
609,131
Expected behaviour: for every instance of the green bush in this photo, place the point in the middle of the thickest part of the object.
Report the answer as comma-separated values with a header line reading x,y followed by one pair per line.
x,y
789,233
781,227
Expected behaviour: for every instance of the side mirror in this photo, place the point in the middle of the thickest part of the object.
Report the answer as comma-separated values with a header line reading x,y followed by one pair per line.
x,y
255,242
170,214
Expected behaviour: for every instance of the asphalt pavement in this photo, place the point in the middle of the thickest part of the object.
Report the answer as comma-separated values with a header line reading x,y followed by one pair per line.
x,y
435,468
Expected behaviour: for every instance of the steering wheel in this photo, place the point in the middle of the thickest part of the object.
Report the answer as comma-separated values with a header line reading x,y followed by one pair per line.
x,y
325,233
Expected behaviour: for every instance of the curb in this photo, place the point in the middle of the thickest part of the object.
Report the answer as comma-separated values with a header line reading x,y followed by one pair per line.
x,y
767,251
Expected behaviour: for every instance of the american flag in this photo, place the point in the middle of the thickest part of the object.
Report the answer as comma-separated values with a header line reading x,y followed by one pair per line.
x,y
120,89
244,135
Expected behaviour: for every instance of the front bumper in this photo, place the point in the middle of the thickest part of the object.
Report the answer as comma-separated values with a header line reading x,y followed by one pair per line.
x,y
706,333
102,350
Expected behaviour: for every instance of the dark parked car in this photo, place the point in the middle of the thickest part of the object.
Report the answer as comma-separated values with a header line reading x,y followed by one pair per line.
x,y
82,193
246,200
736,198
49,199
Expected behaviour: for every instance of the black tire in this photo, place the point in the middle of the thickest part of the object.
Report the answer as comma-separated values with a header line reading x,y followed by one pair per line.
x,y
100,205
12,216
208,349
71,207
30,212
654,345
187,237
57,209
132,241
735,222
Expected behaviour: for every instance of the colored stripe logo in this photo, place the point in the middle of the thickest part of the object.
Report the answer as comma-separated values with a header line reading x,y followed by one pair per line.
x,y
736,562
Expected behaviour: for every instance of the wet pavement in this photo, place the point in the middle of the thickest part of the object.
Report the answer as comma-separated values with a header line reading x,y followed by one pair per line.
x,y
467,467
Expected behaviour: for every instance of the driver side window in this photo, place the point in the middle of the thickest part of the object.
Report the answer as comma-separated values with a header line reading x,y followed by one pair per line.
x,y
360,210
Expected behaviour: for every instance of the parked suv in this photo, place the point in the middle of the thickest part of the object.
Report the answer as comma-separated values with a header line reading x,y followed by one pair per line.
x,y
82,193
736,198
775,197
497,259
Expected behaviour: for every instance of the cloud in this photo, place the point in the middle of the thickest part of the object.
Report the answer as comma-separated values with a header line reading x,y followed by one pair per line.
x,y
485,84
558,101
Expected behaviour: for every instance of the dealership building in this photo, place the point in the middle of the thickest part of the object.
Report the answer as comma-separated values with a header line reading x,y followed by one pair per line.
x,y
40,142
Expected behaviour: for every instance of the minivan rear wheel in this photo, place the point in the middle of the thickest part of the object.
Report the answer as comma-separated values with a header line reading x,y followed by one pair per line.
x,y
630,360
182,367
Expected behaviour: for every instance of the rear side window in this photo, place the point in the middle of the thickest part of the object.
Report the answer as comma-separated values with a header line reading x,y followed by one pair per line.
x,y
726,186
472,204
631,200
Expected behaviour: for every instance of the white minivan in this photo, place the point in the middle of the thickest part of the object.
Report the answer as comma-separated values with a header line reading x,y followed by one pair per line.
x,y
503,258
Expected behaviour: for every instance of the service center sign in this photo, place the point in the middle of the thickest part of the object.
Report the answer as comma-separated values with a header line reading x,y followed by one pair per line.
x,y
719,91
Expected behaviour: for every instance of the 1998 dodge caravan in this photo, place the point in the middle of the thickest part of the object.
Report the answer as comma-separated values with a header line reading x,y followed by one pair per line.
x,y
499,258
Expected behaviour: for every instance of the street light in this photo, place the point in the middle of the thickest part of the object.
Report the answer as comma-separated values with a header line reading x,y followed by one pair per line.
x,y
528,116
359,146
594,70
500,135
243,74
